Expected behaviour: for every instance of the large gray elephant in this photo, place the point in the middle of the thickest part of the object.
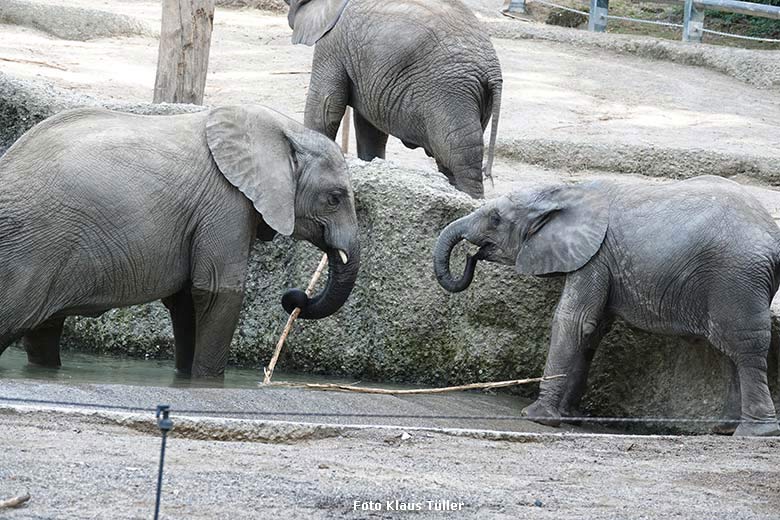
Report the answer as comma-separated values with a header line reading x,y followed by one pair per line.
x,y
696,258
423,71
101,209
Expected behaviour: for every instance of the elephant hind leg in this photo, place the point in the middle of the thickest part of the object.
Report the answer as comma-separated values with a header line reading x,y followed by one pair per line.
x,y
371,142
748,348
328,95
460,158
7,339
43,343
182,313
446,171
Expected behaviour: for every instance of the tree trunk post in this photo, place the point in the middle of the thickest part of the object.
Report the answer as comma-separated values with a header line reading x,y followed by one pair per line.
x,y
185,38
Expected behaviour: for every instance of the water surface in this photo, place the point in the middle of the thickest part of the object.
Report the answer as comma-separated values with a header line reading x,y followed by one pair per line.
x,y
80,367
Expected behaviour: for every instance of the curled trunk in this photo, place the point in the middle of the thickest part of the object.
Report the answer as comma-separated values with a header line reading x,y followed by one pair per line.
x,y
341,281
448,239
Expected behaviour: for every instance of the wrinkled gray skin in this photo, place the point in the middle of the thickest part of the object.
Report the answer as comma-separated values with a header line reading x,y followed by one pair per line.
x,y
101,209
423,71
697,258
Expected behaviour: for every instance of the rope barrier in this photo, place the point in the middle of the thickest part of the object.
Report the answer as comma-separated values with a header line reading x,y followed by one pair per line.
x,y
288,414
739,36
651,22
569,9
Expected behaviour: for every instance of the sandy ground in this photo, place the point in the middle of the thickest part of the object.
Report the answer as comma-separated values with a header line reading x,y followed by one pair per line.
x,y
109,471
552,91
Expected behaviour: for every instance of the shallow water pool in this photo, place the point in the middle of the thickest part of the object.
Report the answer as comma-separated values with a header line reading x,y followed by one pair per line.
x,y
80,367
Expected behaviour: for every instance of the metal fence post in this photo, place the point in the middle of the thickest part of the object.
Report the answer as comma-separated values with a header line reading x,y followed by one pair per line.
x,y
693,23
165,424
514,6
597,21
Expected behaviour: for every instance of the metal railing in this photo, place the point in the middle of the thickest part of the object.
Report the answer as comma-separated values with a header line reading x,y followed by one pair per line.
x,y
693,15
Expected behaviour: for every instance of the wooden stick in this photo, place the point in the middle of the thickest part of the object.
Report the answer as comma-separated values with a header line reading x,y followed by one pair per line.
x,y
471,386
34,62
14,502
345,132
269,370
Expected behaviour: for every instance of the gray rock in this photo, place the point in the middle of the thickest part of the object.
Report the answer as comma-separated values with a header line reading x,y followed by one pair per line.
x,y
23,104
70,23
274,6
648,160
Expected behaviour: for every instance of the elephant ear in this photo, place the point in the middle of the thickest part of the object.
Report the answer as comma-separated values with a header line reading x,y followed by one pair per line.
x,y
254,150
567,225
310,20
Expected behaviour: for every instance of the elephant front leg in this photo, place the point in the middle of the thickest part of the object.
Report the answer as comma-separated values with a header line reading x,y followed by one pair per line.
x,y
577,379
578,326
216,316
182,313
43,343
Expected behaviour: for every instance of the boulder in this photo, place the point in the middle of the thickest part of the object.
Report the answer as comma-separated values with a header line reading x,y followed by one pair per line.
x,y
273,6
399,325
71,23
24,104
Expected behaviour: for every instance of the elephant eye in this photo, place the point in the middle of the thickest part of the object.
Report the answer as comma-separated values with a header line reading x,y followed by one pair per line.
x,y
334,199
495,219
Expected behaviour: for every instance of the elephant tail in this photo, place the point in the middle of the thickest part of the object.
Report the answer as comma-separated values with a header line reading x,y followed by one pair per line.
x,y
495,90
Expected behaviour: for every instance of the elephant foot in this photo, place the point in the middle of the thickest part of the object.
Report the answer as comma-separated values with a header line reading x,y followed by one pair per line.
x,y
573,411
724,428
541,413
763,429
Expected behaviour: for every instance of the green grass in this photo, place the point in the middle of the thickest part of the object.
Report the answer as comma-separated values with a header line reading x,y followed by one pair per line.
x,y
714,20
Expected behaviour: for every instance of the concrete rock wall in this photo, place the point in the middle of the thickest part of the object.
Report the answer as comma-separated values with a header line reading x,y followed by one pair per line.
x,y
70,23
399,325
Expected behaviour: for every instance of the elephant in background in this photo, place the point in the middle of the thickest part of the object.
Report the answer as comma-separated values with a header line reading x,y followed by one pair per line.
x,y
696,258
424,72
102,209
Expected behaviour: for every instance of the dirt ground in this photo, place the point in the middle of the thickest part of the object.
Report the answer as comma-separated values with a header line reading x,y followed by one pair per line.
x,y
553,91
109,470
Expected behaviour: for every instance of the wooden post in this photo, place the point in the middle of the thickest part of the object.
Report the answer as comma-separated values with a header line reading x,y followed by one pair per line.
x,y
183,58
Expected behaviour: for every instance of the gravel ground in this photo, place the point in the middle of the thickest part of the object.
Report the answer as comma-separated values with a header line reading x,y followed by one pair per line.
x,y
78,466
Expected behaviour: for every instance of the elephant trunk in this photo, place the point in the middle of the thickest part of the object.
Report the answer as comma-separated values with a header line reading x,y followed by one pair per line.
x,y
341,280
448,239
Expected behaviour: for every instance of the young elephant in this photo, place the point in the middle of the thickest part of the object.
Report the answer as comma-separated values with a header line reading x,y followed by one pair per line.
x,y
425,72
101,209
693,258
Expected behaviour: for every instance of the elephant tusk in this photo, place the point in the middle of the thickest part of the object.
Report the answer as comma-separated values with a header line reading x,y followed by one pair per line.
x,y
343,256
